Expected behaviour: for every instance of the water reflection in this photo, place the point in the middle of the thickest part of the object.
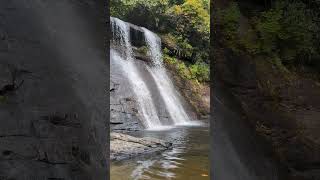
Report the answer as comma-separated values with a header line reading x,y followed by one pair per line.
x,y
188,158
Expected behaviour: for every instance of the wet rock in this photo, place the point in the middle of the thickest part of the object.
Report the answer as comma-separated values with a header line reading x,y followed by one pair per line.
x,y
124,116
124,146
136,35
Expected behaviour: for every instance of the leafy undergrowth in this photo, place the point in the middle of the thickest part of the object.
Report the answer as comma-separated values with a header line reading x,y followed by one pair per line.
x,y
198,72
190,79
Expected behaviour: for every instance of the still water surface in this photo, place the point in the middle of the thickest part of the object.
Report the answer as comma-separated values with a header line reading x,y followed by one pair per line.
x,y
186,160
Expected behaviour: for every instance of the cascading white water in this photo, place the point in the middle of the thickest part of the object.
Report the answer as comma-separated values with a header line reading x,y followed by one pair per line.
x,y
122,56
164,84
147,109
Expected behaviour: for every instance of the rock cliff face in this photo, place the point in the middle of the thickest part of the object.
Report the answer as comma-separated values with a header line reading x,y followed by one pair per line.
x,y
282,107
284,112
53,75
124,115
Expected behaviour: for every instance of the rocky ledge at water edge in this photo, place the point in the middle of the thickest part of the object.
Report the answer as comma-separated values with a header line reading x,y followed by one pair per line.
x,y
124,146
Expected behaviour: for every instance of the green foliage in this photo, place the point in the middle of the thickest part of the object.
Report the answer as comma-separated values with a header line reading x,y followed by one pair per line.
x,y
193,12
190,23
298,34
143,50
288,31
179,44
228,22
3,99
249,42
199,72
269,30
122,8
187,21
183,70
148,13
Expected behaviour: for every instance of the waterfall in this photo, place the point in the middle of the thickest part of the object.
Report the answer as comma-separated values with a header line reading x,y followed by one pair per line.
x,y
123,57
166,88
143,96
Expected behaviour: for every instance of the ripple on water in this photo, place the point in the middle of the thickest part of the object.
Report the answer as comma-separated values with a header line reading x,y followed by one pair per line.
x,y
188,159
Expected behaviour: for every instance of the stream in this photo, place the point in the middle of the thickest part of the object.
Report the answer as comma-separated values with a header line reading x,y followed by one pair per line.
x,y
187,159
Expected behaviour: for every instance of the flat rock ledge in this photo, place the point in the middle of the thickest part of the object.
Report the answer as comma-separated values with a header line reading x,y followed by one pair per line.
x,y
123,146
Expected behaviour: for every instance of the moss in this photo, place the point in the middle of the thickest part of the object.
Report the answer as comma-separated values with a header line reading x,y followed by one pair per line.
x,y
143,50
3,99
169,59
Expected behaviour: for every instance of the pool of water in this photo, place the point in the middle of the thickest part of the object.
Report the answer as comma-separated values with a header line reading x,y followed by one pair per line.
x,y
187,159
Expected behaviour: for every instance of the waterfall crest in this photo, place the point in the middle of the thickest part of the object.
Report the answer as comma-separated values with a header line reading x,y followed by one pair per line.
x,y
123,57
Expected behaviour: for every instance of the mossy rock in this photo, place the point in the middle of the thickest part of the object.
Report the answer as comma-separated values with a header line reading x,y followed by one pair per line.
x,y
143,50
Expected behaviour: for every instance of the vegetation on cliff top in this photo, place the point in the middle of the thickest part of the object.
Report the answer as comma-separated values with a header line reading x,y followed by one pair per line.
x,y
183,25
287,31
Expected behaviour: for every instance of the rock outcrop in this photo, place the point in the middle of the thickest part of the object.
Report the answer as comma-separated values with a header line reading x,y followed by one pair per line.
x,y
124,116
125,146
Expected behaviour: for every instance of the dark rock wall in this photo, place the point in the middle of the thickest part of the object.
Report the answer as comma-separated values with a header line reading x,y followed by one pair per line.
x,y
283,112
53,118
282,108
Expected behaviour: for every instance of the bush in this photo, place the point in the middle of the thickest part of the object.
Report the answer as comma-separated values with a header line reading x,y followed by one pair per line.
x,y
199,71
